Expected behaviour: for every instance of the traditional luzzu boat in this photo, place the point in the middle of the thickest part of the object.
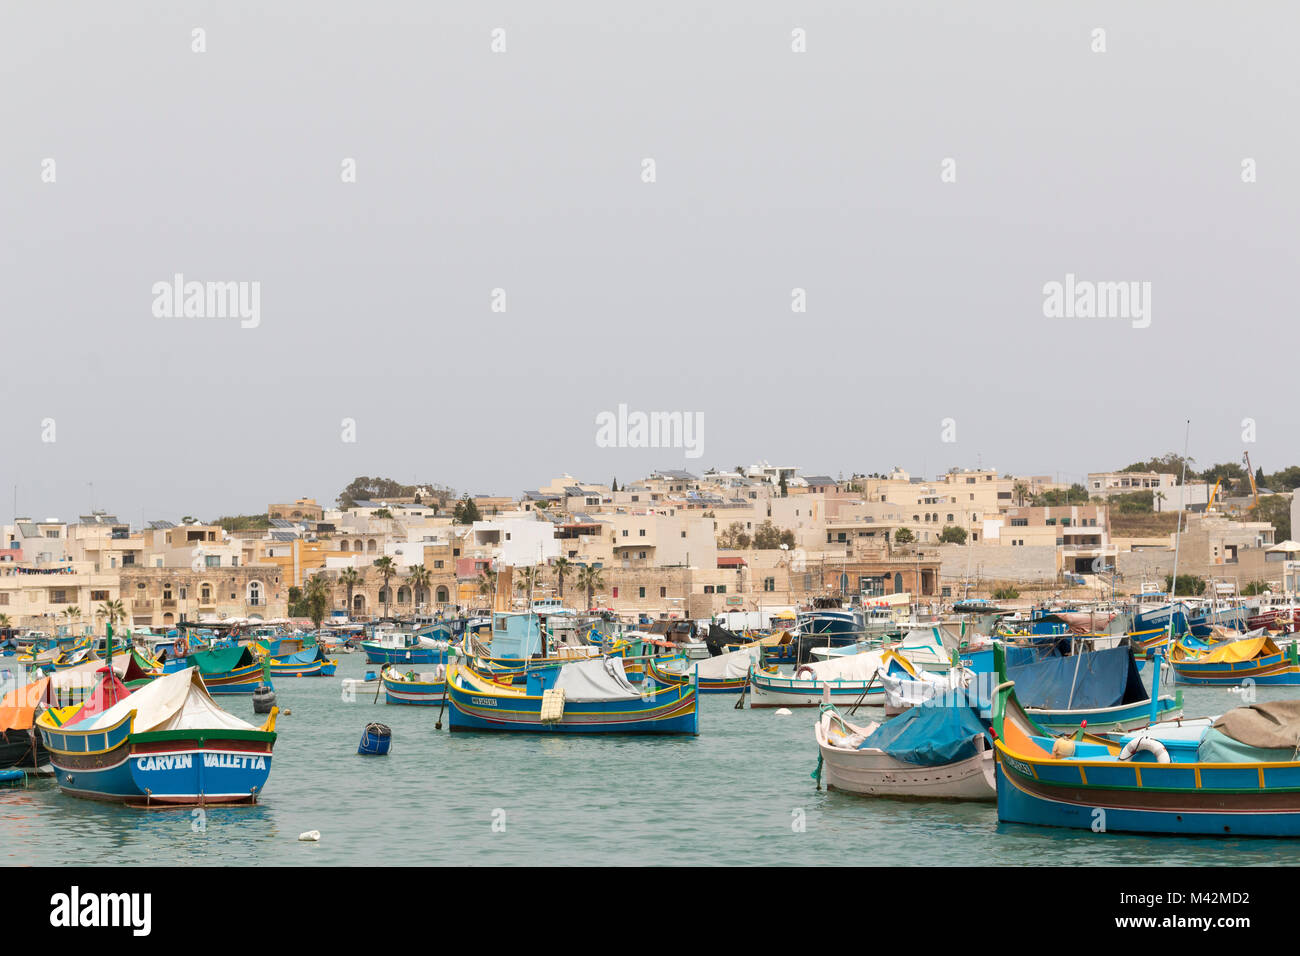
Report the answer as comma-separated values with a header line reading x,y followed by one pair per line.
x,y
229,670
724,674
1238,777
851,680
20,744
1256,659
1102,688
167,744
403,647
929,751
310,662
412,687
580,697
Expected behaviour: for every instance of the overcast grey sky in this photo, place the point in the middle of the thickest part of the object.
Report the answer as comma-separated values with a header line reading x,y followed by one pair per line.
x,y
522,170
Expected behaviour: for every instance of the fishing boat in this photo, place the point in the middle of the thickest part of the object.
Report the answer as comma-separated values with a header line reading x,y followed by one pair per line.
x,y
851,680
228,670
166,744
1100,688
412,687
1240,778
1255,658
310,662
403,647
934,752
723,674
20,744
585,697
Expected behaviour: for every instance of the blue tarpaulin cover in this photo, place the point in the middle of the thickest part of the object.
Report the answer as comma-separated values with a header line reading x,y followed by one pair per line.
x,y
929,736
1087,681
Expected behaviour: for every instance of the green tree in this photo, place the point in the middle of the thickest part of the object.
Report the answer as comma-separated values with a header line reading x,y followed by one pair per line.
x,y
419,579
1006,594
387,571
768,536
1288,479
318,598
383,513
1189,585
782,485
1170,464
350,578
561,566
466,511
297,602
904,536
1255,587
951,534
734,538
590,580
1275,509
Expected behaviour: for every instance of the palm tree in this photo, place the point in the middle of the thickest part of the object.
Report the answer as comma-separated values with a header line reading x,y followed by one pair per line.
x,y
386,570
4,620
72,614
562,568
419,578
487,581
527,579
318,598
112,611
1021,490
589,579
350,578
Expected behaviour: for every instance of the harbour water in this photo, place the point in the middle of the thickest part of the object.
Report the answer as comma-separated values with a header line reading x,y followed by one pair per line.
x,y
739,794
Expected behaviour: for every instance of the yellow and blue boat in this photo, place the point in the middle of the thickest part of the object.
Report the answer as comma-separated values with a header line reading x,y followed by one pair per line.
x,y
584,697
411,687
1257,659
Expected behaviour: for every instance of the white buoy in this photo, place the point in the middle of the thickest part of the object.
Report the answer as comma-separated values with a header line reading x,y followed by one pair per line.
x,y
311,836
783,712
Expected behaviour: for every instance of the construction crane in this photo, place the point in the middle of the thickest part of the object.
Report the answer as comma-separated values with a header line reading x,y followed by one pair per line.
x,y
1250,473
1209,502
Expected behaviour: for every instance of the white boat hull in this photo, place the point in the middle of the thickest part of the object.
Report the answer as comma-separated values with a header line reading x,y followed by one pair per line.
x,y
789,692
874,773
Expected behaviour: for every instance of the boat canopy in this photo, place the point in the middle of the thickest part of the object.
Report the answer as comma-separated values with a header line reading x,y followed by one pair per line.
x,y
851,667
176,701
1234,652
221,661
594,680
1090,680
731,666
18,708
929,736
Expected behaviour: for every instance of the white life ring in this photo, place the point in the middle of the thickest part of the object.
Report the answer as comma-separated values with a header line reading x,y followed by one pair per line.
x,y
1149,744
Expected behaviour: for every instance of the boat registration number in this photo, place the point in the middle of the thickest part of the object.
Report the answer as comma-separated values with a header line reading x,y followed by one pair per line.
x,y
482,701
1018,766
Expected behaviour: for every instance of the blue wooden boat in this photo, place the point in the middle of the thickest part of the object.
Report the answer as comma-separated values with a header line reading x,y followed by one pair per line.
x,y
1102,688
400,647
227,670
721,674
584,697
310,662
1228,663
166,744
1223,786
411,687
10,778
375,740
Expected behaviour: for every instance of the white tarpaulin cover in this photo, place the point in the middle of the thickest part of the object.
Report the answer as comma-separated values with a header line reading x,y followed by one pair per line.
x,y
602,679
732,666
913,691
853,667
175,702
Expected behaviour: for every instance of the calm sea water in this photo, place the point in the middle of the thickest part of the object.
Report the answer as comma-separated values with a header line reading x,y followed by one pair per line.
x,y
740,793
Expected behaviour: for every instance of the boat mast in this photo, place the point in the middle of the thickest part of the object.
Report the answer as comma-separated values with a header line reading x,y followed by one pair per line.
x,y
1178,536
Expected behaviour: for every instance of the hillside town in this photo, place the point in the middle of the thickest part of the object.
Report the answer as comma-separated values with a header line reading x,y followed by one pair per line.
x,y
673,545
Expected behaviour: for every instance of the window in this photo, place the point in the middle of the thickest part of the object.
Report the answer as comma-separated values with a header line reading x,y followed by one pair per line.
x,y
4,598
615,592
625,532
1019,522
99,595
708,589
640,592
663,592
641,532
255,593
212,560
722,589
205,593
640,554
683,534
769,584
182,594
437,563
59,597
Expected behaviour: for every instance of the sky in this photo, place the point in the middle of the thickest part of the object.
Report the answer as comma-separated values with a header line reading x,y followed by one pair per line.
x,y
922,171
